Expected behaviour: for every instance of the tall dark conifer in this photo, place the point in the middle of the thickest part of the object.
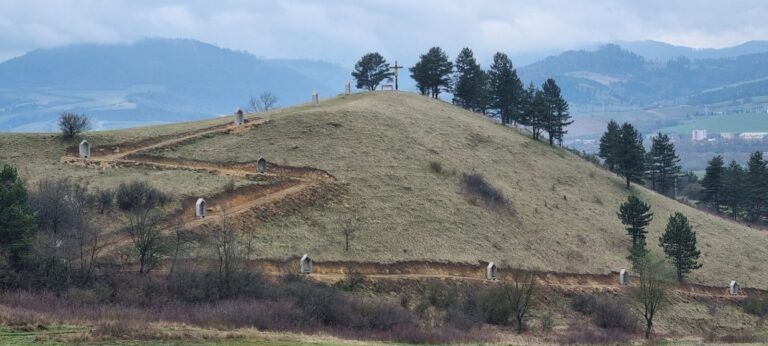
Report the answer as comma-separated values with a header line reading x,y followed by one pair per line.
x,y
756,186
609,144
635,215
712,184
734,188
505,90
664,164
469,82
433,72
630,155
558,117
679,243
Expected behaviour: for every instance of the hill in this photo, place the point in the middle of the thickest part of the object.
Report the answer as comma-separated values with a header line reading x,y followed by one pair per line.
x,y
379,147
148,82
614,76
654,50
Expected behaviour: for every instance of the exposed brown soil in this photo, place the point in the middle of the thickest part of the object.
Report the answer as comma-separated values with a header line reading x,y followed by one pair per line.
x,y
283,190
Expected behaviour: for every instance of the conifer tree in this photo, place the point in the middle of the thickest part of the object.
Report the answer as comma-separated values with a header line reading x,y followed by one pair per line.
x,y
635,215
630,155
558,117
505,90
757,186
734,188
609,144
679,243
17,219
538,114
371,70
712,183
433,72
664,163
469,82
527,105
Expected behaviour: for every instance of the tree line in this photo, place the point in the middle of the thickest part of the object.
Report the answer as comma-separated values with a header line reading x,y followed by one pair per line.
x,y
739,191
498,92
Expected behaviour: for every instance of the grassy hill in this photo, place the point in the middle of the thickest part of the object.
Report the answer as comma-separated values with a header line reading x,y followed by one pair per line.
x,y
380,147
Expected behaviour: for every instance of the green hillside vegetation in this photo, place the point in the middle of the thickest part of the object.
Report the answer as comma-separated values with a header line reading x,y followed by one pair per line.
x,y
380,146
742,122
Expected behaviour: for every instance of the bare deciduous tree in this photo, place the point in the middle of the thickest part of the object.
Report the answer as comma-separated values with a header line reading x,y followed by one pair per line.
x,y
228,249
72,124
263,103
520,294
182,238
148,243
348,229
104,199
650,295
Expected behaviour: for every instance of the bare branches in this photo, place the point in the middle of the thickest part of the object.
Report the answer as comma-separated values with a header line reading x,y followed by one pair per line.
x,y
72,124
263,103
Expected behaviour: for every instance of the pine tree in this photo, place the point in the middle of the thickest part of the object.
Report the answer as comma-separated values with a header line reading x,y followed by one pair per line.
x,y
664,167
635,215
630,155
525,117
609,144
712,183
558,117
505,90
17,219
679,243
538,115
734,188
433,72
371,70
757,186
469,82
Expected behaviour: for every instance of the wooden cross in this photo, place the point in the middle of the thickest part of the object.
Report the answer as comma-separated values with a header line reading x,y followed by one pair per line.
x,y
396,68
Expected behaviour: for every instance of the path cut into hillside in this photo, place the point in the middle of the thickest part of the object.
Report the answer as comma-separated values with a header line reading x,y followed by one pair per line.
x,y
281,181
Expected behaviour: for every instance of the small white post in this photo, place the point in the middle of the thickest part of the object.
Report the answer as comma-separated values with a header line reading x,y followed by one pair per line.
x,y
733,288
200,208
347,88
315,98
490,271
305,265
623,277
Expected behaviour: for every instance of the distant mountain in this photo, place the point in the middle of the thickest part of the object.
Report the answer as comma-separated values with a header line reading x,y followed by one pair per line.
x,y
150,81
613,76
654,50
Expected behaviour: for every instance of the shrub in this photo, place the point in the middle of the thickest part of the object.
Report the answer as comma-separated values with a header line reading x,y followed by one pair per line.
x,y
73,124
547,322
607,312
354,280
137,195
756,306
229,187
436,167
475,185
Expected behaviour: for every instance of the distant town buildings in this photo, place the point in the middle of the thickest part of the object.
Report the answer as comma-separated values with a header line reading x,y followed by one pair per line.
x,y
753,135
727,135
699,135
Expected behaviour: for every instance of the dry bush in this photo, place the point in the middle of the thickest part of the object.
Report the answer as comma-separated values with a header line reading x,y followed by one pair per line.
x,y
607,312
474,185
584,335
436,167
756,306
139,195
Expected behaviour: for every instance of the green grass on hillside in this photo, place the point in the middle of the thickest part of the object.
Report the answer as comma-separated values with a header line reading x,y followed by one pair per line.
x,y
747,122
380,145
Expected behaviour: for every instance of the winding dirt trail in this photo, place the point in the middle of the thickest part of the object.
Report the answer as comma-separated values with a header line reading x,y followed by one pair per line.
x,y
286,182
282,181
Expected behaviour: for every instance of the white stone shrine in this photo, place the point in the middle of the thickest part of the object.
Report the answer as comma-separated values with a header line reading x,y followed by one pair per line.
x,y
490,271
623,277
261,165
85,149
200,208
305,265
239,120
733,288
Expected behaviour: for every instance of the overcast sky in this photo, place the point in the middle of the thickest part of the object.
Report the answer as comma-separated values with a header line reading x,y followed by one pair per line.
x,y
340,31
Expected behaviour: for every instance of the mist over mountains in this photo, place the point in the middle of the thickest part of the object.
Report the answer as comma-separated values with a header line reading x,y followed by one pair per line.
x,y
166,80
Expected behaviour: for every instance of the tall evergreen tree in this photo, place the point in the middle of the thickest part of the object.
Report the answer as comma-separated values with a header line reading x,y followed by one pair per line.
x,y
17,219
433,72
679,243
756,186
371,70
538,114
469,82
609,144
664,163
505,90
734,188
635,215
630,155
527,105
712,184
558,117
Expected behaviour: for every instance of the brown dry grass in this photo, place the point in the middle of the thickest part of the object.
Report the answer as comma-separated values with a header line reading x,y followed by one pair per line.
x,y
380,145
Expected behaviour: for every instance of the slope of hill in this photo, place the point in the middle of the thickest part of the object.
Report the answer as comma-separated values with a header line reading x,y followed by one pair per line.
x,y
380,147
150,81
654,50
612,76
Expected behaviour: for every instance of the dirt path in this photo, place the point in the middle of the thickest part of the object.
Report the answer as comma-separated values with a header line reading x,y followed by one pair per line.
x,y
239,201
293,181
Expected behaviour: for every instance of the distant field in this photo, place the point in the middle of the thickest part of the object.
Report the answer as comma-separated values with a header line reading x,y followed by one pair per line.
x,y
748,122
